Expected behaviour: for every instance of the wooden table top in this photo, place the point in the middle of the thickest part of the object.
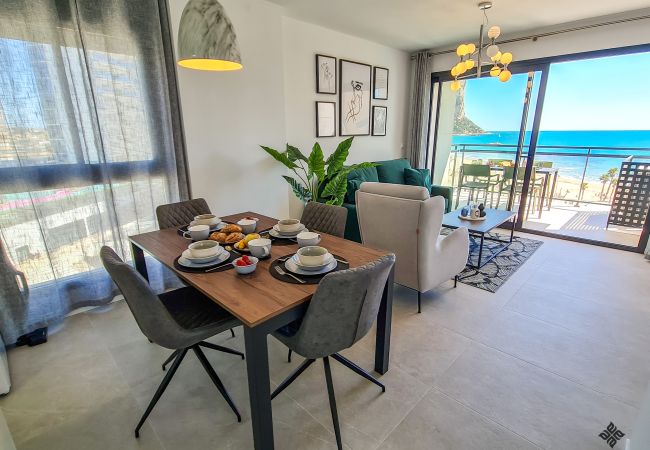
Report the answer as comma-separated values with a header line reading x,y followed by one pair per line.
x,y
256,297
493,218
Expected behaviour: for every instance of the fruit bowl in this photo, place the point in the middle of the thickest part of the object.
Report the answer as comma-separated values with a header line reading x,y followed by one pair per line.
x,y
245,265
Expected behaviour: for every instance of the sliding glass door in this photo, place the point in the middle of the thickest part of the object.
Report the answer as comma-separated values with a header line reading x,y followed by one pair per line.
x,y
566,143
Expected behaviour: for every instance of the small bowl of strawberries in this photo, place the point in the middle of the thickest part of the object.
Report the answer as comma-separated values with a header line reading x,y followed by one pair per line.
x,y
246,264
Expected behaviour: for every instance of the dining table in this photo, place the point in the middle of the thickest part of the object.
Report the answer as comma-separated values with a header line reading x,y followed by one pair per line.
x,y
263,303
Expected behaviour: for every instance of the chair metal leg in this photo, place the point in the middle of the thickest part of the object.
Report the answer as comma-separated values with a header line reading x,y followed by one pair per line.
x,y
161,389
220,348
352,366
215,379
330,393
419,302
232,332
168,360
291,378
289,356
456,281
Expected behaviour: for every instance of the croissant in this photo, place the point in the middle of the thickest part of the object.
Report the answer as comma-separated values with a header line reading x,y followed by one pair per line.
x,y
231,228
234,237
219,237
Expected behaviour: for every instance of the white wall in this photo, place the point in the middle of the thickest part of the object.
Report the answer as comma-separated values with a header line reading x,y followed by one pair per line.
x,y
271,102
227,115
302,41
610,36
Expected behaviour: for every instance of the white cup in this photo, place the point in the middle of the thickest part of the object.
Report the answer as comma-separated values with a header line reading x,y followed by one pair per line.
x,y
204,249
307,238
247,225
197,232
312,255
289,225
260,248
206,219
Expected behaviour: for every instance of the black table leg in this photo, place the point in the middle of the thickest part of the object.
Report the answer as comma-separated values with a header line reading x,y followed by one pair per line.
x,y
139,262
512,229
480,251
259,389
384,320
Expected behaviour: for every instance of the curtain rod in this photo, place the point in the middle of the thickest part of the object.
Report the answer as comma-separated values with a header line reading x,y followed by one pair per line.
x,y
536,36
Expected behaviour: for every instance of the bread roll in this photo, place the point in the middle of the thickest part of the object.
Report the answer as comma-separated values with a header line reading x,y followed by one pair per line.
x,y
231,228
234,237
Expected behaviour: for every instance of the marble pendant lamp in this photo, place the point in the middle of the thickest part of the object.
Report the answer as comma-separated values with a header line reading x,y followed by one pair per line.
x,y
206,38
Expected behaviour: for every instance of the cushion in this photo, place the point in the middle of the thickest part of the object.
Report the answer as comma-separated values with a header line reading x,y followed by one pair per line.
x,y
355,178
418,177
392,171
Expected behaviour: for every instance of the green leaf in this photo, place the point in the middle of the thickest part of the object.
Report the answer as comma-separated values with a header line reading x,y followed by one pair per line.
x,y
316,162
336,188
281,157
337,159
298,189
294,154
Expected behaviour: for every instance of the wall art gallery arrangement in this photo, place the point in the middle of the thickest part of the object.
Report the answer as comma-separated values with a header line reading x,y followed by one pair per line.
x,y
356,84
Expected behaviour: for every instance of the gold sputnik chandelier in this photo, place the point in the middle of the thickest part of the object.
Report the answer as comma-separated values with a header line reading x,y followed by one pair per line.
x,y
473,58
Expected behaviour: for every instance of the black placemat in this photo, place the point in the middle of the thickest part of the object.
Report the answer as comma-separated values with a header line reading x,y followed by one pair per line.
x,y
233,256
309,279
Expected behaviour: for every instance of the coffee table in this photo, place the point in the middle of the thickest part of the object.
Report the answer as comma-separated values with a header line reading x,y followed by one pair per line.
x,y
493,218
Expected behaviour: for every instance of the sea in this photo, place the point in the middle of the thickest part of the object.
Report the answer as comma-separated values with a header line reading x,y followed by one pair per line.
x,y
618,145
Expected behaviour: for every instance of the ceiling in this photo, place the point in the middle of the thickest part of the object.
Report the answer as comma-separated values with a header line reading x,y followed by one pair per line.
x,y
423,24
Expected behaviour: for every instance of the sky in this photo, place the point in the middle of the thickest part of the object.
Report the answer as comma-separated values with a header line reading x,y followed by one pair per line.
x,y
610,93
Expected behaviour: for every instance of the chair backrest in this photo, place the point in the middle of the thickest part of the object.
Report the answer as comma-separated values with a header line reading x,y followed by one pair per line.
x,y
498,162
343,309
476,170
325,218
176,215
152,317
544,164
404,220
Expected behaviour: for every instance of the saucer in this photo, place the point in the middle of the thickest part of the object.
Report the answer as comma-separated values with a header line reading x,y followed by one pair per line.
x,y
313,268
291,266
273,232
213,228
206,259
289,233
221,257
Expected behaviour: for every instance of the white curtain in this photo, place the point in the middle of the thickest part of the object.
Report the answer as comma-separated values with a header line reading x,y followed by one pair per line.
x,y
87,148
416,140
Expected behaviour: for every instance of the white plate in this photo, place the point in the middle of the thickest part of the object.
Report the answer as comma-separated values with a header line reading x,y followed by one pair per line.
x,y
213,228
275,234
472,219
297,262
289,233
291,266
223,256
188,255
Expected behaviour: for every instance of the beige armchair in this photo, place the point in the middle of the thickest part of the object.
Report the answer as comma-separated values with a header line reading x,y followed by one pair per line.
x,y
406,221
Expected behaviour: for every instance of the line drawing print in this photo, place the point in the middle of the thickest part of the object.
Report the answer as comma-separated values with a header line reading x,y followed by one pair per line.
x,y
356,102
326,75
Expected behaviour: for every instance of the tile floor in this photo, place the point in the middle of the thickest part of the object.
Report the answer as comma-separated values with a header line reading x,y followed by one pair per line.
x,y
546,362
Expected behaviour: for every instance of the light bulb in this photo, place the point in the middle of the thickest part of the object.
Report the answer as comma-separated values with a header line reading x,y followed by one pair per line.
x,y
471,48
461,50
504,75
494,32
455,85
496,57
495,71
492,50
454,72
506,58
469,64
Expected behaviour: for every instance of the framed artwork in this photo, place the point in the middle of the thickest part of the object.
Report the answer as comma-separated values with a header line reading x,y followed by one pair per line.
x,y
354,98
379,116
380,83
325,119
325,74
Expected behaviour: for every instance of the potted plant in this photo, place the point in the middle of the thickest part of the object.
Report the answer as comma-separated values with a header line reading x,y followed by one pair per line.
x,y
317,178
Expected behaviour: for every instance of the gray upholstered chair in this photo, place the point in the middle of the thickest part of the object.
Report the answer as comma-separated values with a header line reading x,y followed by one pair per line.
x,y
341,312
176,215
178,320
325,218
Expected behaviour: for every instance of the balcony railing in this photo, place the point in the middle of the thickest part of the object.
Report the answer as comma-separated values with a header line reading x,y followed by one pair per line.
x,y
580,165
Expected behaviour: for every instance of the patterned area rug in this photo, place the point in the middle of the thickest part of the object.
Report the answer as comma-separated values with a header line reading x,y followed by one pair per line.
x,y
492,275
